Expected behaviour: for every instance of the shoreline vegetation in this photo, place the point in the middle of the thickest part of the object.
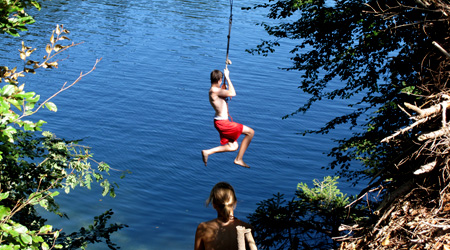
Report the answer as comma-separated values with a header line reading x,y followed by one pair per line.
x,y
36,165
394,56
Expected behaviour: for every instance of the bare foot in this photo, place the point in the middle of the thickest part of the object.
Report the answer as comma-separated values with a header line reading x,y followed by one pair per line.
x,y
241,163
205,157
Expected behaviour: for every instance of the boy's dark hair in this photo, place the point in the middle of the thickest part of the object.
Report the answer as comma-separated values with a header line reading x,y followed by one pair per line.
x,y
216,75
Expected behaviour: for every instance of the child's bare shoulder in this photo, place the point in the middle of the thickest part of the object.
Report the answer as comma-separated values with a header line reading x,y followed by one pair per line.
x,y
214,89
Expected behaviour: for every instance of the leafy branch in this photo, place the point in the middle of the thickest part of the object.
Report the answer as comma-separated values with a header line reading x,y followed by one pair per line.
x,y
14,95
32,168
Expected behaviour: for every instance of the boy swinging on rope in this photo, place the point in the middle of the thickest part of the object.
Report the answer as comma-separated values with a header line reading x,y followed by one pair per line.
x,y
229,131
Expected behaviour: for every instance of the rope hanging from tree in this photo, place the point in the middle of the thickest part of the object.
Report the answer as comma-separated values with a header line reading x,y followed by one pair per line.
x,y
228,61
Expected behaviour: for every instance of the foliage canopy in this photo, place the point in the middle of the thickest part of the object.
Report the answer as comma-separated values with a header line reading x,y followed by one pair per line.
x,y
14,17
351,50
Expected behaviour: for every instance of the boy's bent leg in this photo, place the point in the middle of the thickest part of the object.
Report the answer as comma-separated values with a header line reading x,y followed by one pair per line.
x,y
249,133
231,146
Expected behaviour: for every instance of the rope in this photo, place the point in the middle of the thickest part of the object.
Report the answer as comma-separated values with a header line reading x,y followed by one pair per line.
x,y
227,61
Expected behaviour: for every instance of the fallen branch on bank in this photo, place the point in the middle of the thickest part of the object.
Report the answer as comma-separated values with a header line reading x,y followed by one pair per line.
x,y
424,115
415,212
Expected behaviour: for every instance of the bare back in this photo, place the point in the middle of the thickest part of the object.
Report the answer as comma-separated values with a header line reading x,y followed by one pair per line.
x,y
217,95
218,102
217,235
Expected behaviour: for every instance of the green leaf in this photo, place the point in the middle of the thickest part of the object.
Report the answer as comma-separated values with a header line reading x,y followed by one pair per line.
x,y
13,32
44,203
4,211
103,167
46,229
4,106
28,126
39,125
45,246
8,132
105,184
37,238
6,227
8,90
17,103
36,4
51,106
6,247
26,238
34,99
13,232
20,229
409,90
35,197
29,105
4,195
88,181
24,95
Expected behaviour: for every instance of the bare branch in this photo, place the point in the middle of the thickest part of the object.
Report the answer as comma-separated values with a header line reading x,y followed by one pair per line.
x,y
425,168
63,88
441,49
401,131
434,134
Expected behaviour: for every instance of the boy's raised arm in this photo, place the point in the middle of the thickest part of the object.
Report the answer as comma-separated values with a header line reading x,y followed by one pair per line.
x,y
230,92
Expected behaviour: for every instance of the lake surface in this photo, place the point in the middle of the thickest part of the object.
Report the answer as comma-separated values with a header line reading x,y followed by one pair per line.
x,y
145,109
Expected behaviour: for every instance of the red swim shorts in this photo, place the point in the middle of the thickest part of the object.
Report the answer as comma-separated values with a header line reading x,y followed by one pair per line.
x,y
229,131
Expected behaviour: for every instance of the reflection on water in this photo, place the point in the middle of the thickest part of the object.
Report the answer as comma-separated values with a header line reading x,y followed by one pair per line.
x,y
145,108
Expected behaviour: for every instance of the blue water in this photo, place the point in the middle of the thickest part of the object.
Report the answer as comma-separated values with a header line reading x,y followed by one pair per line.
x,y
145,109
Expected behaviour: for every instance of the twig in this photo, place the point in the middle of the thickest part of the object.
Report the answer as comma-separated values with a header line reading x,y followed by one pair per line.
x,y
444,227
444,113
394,195
441,49
63,88
401,131
362,196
